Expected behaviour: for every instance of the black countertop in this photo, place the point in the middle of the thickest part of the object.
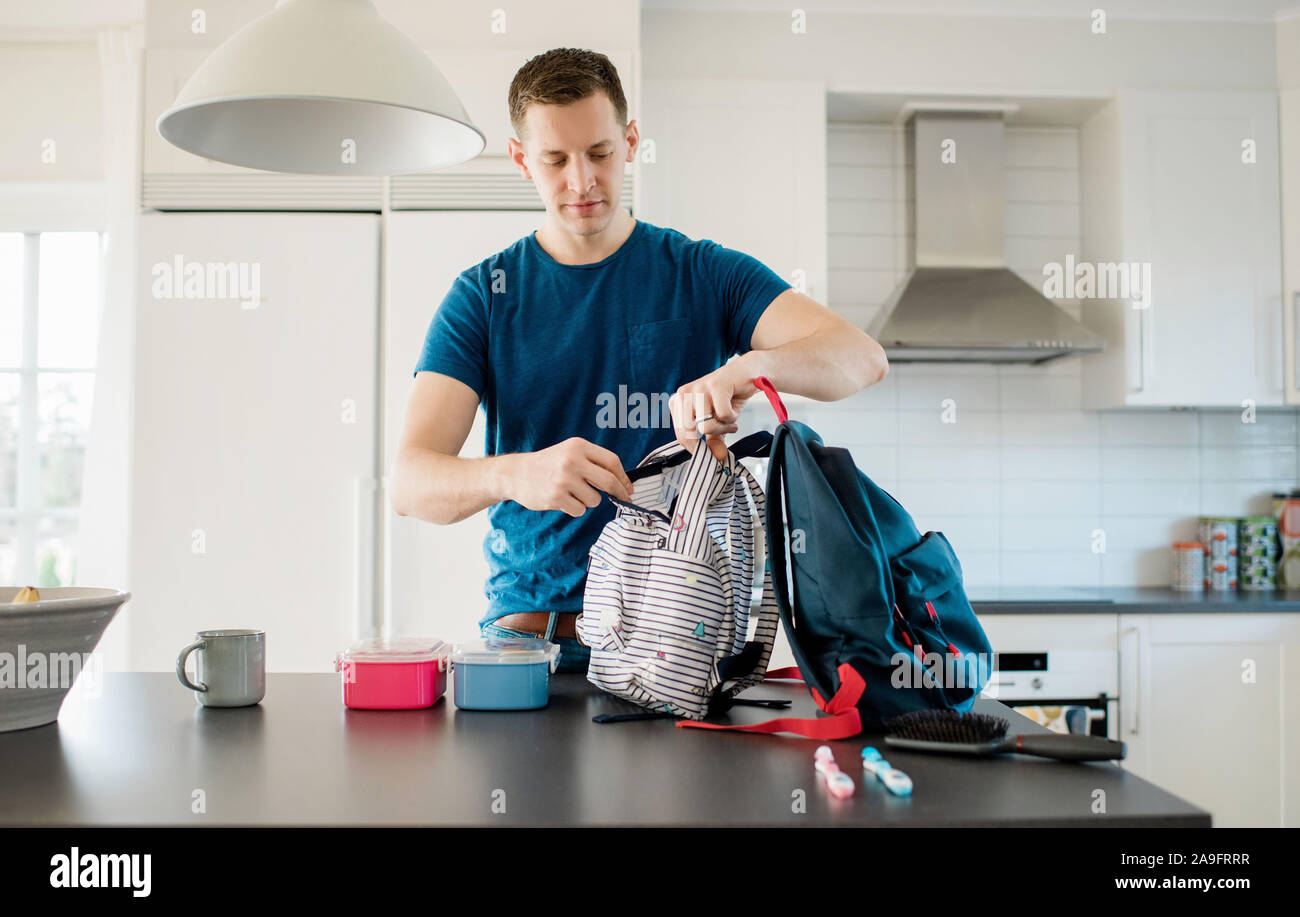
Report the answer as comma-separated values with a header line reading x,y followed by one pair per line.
x,y
1126,600
141,754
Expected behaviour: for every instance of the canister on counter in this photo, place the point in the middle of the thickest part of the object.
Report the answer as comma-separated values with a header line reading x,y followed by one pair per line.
x,y
1257,537
1222,573
1286,507
1257,575
1219,535
1189,566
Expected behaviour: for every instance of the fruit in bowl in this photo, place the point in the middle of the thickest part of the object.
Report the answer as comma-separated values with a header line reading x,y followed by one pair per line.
x,y
46,639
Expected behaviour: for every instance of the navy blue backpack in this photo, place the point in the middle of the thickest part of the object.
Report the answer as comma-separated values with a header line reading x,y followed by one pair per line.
x,y
874,610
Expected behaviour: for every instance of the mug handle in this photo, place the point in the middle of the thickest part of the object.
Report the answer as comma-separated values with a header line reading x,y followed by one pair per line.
x,y
180,665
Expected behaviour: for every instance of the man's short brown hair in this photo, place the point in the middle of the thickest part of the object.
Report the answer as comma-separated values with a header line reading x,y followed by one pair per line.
x,y
563,76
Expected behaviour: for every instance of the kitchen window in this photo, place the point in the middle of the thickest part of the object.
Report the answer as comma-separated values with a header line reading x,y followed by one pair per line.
x,y
49,327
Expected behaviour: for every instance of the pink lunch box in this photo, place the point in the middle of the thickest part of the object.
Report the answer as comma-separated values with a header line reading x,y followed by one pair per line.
x,y
400,673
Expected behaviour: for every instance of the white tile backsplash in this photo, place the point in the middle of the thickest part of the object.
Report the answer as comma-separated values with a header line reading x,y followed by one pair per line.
x,y
1048,219
1042,185
1041,393
877,461
1225,428
880,397
1148,428
1028,254
855,428
862,285
965,533
1064,428
1076,568
862,249
1252,463
1163,499
1150,567
968,428
1050,463
1040,148
947,463
979,568
1158,463
1049,498
1024,476
860,145
939,500
1240,498
1059,533
862,183
1140,533
875,217
930,393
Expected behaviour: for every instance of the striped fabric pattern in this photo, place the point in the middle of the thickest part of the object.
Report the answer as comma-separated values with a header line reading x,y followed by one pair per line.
x,y
676,583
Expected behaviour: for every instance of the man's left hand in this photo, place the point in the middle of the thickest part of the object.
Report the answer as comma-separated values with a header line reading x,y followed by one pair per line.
x,y
711,406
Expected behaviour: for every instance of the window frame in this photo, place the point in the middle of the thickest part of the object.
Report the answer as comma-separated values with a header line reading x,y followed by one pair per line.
x,y
27,512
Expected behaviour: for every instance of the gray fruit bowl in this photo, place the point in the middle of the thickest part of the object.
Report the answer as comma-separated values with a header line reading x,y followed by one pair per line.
x,y
66,620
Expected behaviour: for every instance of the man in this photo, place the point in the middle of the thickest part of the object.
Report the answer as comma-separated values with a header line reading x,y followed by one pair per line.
x,y
574,336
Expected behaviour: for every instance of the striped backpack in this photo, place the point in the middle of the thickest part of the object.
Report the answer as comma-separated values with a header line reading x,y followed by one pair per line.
x,y
678,608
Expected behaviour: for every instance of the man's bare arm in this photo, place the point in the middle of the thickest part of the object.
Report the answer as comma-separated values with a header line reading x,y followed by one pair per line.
x,y
806,349
430,480
802,347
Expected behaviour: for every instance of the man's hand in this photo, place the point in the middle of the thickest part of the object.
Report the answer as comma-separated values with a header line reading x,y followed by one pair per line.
x,y
567,476
711,405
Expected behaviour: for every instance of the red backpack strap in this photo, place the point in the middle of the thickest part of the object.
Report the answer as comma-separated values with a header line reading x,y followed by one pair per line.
x,y
764,385
792,672
844,721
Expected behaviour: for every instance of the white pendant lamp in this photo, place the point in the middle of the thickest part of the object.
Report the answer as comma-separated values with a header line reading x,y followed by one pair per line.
x,y
324,87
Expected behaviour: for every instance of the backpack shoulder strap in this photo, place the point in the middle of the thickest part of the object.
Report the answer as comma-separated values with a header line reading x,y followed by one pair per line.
x,y
845,721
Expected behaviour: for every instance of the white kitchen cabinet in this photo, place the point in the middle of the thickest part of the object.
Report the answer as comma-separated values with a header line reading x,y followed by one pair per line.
x,y
435,573
254,474
775,207
1289,116
1291,730
1204,703
1165,183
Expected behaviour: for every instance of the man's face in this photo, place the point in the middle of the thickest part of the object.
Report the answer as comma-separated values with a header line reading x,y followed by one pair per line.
x,y
575,155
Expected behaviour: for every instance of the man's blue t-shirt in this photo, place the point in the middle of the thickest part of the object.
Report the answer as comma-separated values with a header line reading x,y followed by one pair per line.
x,y
591,350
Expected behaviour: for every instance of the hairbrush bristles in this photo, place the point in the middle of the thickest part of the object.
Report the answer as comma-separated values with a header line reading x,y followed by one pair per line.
x,y
947,726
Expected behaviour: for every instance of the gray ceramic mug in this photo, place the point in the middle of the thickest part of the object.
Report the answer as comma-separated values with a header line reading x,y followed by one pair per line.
x,y
229,670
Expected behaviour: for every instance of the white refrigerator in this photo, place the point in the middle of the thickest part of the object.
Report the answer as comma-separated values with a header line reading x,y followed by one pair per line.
x,y
254,468
434,574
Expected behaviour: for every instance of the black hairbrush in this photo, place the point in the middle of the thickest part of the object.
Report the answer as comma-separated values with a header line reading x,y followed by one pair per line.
x,y
950,732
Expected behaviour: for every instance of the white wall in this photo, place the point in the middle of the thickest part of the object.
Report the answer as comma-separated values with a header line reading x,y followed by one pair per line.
x,y
51,92
1288,51
971,54
1022,479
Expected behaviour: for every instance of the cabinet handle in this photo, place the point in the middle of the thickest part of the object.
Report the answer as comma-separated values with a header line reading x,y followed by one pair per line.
x,y
1295,340
1144,348
1136,700
364,616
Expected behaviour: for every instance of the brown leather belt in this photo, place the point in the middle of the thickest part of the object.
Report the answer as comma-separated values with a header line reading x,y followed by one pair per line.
x,y
535,622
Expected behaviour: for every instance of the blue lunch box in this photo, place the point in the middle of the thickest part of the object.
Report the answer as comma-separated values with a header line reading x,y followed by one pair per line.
x,y
503,673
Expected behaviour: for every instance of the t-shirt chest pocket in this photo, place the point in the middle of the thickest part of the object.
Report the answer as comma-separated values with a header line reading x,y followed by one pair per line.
x,y
655,348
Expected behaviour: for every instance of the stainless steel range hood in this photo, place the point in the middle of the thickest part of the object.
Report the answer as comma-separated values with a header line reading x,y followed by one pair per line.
x,y
959,302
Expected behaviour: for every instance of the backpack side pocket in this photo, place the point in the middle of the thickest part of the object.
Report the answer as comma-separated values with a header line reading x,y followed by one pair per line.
x,y
603,604
938,619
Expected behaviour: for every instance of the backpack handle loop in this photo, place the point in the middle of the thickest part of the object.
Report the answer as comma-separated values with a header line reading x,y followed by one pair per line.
x,y
764,385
